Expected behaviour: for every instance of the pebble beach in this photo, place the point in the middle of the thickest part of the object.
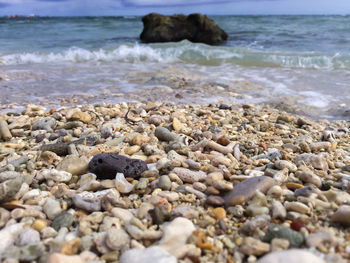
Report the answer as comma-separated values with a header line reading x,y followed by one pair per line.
x,y
219,183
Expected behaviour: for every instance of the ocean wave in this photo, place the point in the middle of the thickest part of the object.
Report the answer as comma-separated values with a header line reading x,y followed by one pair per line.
x,y
186,52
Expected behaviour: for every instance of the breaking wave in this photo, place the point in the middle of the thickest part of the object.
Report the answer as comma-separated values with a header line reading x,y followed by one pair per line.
x,y
185,52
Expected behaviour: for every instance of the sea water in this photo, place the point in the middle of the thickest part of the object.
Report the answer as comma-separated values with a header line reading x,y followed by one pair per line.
x,y
300,62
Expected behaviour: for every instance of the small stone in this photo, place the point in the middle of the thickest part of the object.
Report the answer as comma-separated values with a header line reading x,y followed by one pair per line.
x,y
74,164
185,211
247,189
215,200
295,239
5,133
46,123
258,222
65,219
177,125
8,236
321,238
278,210
148,255
342,215
279,244
79,116
309,177
122,185
28,236
291,256
61,258
71,247
10,188
52,208
219,213
87,201
164,183
252,246
39,224
189,176
164,134
318,161
57,176
297,207
123,214
283,164
175,235
140,139
117,239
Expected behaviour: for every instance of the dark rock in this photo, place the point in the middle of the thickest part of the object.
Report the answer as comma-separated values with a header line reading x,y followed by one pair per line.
x,y
61,148
64,219
295,238
195,28
225,107
107,165
40,137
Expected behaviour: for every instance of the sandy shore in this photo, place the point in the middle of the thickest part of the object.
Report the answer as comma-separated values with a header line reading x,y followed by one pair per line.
x,y
223,184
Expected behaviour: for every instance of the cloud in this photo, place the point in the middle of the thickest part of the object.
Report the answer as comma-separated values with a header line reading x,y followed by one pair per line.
x,y
52,0
146,3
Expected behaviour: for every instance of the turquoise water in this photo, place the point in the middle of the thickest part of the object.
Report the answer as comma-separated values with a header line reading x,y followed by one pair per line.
x,y
298,60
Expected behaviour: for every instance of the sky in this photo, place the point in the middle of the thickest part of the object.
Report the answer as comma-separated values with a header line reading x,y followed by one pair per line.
x,y
142,7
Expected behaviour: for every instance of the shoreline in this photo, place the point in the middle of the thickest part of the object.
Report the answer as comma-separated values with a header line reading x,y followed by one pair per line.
x,y
198,202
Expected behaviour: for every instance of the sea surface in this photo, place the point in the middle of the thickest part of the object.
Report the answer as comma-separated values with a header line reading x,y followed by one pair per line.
x,y
297,63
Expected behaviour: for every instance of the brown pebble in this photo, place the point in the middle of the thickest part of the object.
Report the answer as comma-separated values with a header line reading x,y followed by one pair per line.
x,y
236,200
215,200
219,213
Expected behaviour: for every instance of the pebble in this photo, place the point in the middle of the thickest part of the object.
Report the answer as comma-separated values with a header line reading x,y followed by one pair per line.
x,y
74,165
322,237
252,246
295,239
297,207
148,255
28,236
175,235
189,176
291,256
283,164
318,161
215,200
56,175
5,133
259,222
65,219
87,201
52,208
309,177
39,224
342,215
46,123
117,239
164,134
247,189
61,258
122,185
9,235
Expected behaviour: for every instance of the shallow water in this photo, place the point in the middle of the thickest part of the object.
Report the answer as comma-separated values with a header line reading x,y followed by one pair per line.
x,y
300,61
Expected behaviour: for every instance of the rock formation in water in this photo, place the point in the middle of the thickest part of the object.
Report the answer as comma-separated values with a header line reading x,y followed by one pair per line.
x,y
194,27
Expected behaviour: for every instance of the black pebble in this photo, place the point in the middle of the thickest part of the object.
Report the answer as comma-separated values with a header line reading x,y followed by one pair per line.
x,y
107,165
